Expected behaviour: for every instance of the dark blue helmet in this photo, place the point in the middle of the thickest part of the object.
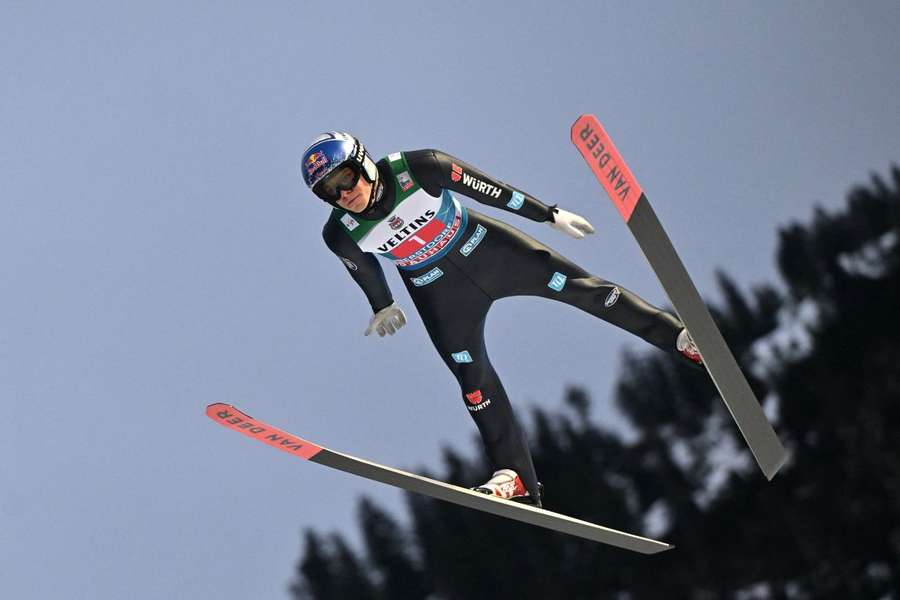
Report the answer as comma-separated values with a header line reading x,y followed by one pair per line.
x,y
330,151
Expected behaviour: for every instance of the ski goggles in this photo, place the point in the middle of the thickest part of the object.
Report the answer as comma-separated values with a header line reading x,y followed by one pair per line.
x,y
342,179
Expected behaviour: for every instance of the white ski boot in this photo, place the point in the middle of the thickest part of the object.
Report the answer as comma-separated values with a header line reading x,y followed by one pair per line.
x,y
507,484
686,346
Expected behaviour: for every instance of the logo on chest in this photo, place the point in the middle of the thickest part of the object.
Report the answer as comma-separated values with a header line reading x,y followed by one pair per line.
x,y
405,229
404,180
349,222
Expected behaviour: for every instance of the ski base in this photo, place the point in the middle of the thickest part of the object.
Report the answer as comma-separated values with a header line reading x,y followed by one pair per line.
x,y
232,418
610,169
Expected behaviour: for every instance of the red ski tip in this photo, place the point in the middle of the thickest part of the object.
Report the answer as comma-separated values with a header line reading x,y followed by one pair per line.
x,y
601,155
230,417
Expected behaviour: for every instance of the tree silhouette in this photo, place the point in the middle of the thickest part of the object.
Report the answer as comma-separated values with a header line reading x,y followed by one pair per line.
x,y
824,358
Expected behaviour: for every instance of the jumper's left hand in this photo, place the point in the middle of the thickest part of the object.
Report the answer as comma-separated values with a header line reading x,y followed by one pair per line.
x,y
570,224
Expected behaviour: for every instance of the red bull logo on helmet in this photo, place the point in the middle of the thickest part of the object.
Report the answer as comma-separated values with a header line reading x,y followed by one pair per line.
x,y
315,162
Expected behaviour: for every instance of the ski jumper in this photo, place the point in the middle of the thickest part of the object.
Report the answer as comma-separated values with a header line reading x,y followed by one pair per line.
x,y
455,262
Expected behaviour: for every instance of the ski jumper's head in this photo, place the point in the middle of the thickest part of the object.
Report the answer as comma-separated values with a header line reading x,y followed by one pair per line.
x,y
337,168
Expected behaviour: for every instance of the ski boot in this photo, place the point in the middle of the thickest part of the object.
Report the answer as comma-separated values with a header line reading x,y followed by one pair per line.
x,y
507,484
688,349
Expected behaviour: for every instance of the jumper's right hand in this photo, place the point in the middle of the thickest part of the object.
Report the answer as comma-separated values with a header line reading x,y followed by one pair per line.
x,y
387,320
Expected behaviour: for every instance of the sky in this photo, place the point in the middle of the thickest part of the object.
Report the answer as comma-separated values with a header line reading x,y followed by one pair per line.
x,y
159,251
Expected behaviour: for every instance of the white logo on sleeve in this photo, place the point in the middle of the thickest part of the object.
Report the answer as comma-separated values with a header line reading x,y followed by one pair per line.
x,y
612,297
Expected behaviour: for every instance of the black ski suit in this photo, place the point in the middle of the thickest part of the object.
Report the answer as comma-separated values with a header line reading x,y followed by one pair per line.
x,y
478,262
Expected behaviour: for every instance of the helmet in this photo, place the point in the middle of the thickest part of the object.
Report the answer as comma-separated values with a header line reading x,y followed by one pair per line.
x,y
327,153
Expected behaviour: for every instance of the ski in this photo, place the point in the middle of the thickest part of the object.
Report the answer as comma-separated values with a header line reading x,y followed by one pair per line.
x,y
232,418
613,173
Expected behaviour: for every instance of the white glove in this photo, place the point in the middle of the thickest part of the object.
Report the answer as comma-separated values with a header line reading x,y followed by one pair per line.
x,y
570,224
387,320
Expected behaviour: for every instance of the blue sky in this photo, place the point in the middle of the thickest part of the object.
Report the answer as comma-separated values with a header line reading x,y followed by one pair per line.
x,y
159,250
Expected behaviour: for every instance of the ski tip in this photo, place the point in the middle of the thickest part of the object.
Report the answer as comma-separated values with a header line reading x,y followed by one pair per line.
x,y
608,166
232,418
215,410
579,122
